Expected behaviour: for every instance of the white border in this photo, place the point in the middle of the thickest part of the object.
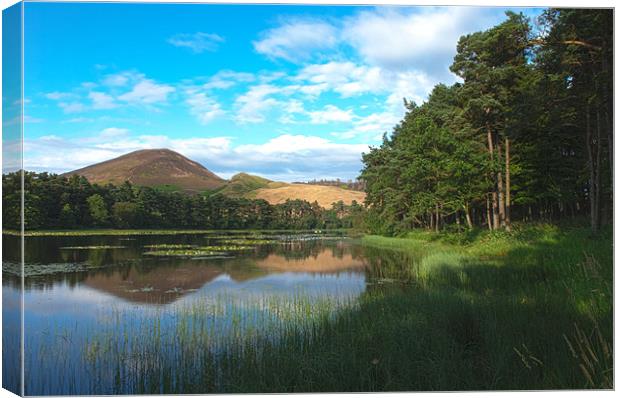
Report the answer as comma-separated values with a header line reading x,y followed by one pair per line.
x,y
501,3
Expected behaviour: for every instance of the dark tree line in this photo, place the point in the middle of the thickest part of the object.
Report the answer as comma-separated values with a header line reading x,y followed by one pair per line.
x,y
528,134
56,202
357,185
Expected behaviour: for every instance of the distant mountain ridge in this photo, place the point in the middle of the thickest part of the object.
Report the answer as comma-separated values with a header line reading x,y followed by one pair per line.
x,y
166,169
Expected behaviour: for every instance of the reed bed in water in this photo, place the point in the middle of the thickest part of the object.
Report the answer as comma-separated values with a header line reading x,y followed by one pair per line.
x,y
194,347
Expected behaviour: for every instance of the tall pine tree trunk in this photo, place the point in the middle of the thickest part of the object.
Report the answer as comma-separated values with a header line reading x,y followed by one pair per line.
x,y
593,189
489,221
500,187
598,168
495,220
468,217
507,215
608,110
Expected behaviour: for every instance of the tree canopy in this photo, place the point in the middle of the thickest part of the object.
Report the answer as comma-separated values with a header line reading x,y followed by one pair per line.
x,y
527,134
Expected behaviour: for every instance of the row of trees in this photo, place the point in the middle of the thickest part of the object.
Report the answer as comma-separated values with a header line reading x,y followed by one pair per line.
x,y
52,201
527,134
357,185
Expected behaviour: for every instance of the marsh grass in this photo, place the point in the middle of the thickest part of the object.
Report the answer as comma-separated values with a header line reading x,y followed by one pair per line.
x,y
184,253
168,246
190,348
102,247
248,241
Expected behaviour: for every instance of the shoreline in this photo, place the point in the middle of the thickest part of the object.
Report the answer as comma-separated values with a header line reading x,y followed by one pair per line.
x,y
129,232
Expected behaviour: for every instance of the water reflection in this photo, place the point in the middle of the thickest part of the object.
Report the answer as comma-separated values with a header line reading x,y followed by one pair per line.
x,y
119,295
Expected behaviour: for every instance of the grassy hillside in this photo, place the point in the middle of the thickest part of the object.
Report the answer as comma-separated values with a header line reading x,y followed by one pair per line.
x,y
324,195
242,184
255,187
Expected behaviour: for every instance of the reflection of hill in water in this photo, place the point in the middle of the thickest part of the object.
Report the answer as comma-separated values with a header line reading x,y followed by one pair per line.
x,y
161,284
325,261
164,280
166,283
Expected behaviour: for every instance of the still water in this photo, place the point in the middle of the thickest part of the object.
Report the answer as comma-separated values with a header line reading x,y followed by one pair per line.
x,y
100,312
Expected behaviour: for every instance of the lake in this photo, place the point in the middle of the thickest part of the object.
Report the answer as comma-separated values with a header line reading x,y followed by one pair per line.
x,y
131,314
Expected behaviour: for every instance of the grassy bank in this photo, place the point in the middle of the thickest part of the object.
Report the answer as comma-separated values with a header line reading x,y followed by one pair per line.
x,y
527,310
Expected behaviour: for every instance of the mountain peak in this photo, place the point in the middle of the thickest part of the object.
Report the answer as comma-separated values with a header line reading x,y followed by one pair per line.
x,y
153,167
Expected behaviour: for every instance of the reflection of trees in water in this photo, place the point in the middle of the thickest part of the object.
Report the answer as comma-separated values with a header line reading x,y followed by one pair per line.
x,y
44,282
385,263
300,250
11,248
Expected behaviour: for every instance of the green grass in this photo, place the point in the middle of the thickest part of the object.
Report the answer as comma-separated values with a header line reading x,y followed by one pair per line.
x,y
168,188
521,302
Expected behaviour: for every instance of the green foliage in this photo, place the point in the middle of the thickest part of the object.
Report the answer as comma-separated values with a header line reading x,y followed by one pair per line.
x,y
56,202
524,109
125,214
98,210
67,216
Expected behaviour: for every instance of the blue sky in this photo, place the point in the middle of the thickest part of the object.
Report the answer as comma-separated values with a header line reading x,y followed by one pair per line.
x,y
287,92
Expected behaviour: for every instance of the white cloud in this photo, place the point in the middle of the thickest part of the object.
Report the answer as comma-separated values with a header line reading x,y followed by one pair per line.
x,y
372,127
226,78
296,41
345,78
147,91
198,42
48,152
349,80
113,132
253,105
57,95
30,119
102,100
79,120
120,79
290,157
422,39
287,157
72,107
329,114
202,106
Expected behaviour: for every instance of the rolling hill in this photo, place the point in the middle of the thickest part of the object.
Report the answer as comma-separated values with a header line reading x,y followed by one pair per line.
x,y
169,170
240,185
324,195
154,168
